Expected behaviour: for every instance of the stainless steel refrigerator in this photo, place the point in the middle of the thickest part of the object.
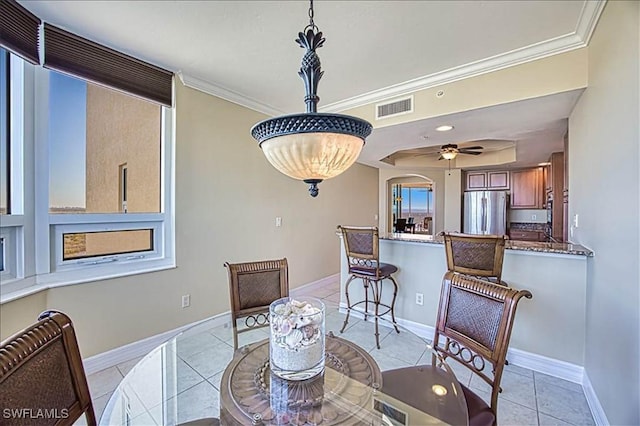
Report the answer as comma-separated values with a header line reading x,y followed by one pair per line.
x,y
485,212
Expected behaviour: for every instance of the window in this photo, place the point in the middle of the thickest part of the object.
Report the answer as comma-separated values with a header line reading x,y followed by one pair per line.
x,y
11,221
105,160
123,187
101,181
1,254
86,245
4,133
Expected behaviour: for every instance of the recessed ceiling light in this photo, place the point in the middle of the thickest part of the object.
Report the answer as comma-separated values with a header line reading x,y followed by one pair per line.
x,y
444,128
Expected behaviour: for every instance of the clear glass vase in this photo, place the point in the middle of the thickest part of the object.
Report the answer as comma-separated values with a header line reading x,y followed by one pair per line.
x,y
296,342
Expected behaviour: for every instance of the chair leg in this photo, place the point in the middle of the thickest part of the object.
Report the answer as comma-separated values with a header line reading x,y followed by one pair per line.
x,y
376,301
366,297
346,293
393,303
235,334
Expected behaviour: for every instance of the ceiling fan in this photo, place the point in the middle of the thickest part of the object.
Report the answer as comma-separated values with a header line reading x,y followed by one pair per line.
x,y
450,151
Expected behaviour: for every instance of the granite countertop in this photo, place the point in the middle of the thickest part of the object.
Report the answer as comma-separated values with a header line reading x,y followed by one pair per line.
x,y
559,248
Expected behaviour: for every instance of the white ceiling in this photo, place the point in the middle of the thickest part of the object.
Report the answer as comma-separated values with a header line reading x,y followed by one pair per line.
x,y
244,51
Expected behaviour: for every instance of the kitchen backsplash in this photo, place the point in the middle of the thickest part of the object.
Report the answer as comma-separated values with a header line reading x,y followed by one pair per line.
x,y
528,216
524,226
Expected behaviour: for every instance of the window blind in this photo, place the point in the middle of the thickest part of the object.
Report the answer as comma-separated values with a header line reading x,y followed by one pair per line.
x,y
72,54
19,30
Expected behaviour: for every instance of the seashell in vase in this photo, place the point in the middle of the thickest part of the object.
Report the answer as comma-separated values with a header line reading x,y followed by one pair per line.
x,y
294,338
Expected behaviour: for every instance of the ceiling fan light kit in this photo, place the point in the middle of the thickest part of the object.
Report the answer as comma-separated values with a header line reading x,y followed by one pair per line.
x,y
311,146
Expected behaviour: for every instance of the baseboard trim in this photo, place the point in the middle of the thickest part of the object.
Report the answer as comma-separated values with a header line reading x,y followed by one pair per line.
x,y
550,366
597,411
314,284
540,363
142,347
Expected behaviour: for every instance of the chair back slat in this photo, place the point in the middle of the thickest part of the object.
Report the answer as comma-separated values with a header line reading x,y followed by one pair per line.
x,y
41,369
477,255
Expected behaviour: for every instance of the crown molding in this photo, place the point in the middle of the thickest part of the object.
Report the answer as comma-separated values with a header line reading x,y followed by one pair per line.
x,y
587,21
229,95
591,11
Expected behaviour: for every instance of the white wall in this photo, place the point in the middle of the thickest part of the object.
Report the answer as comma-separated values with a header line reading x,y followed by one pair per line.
x,y
453,200
604,190
551,324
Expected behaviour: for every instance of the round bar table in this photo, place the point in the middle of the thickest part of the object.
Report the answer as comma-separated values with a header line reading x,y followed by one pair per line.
x,y
196,376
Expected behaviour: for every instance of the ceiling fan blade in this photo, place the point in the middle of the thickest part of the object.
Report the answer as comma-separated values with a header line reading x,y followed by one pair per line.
x,y
470,152
472,147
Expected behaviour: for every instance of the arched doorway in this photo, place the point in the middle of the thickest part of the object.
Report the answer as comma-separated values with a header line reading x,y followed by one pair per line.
x,y
410,204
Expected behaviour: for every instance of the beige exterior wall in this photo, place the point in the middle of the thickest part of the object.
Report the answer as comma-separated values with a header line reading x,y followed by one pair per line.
x,y
227,197
604,191
122,129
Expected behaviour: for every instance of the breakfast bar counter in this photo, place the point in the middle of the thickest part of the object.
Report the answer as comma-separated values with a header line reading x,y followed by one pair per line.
x,y
532,246
549,327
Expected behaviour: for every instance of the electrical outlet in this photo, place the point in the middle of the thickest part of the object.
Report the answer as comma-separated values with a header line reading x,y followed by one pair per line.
x,y
278,222
186,300
419,299
575,220
534,217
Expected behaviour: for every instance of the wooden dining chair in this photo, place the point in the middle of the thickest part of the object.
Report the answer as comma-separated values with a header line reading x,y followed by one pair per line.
x,y
42,380
400,225
473,327
476,255
252,288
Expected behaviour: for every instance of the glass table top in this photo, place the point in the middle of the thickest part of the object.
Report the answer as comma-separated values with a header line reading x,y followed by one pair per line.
x,y
197,374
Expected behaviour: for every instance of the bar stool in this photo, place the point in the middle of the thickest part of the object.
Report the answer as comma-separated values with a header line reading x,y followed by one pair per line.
x,y
361,245
476,255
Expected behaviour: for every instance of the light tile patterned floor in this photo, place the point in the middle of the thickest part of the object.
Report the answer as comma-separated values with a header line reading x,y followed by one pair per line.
x,y
528,397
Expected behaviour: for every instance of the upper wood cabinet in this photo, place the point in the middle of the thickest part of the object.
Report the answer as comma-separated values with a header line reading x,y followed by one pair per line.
x,y
477,180
527,189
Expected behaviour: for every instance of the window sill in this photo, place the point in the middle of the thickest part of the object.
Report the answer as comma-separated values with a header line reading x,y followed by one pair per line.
x,y
19,288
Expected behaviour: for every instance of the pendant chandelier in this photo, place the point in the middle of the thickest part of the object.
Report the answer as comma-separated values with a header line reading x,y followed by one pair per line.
x,y
311,146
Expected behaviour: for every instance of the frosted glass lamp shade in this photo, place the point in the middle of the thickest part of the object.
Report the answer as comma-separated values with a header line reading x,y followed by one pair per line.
x,y
312,156
312,146
449,155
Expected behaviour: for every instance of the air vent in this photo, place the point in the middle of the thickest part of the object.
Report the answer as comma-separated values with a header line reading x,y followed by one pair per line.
x,y
397,107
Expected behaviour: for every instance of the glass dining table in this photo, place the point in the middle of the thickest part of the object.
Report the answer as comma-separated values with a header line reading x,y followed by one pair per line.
x,y
198,375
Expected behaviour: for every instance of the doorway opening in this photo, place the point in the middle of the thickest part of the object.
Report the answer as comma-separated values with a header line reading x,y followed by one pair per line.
x,y
411,205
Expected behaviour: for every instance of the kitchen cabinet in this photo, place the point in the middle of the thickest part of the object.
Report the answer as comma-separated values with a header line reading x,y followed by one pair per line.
x,y
481,180
527,189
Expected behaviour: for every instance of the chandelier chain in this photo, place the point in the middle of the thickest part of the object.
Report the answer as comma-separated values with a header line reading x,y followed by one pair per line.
x,y
312,25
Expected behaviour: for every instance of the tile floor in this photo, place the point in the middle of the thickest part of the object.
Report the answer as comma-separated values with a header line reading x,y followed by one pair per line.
x,y
528,397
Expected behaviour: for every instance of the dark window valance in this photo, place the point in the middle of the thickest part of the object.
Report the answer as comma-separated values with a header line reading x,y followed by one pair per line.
x,y
19,30
72,54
